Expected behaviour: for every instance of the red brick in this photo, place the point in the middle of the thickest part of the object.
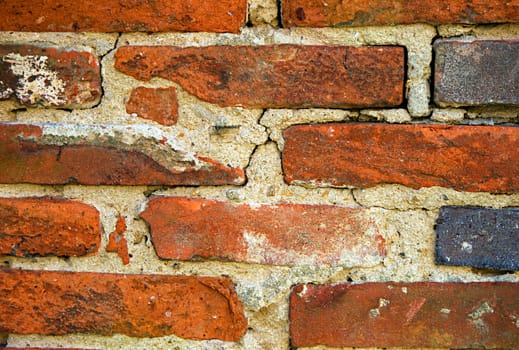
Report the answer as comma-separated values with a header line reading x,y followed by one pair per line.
x,y
422,315
282,234
56,303
275,76
117,243
472,73
25,158
48,226
466,158
317,13
49,77
159,105
123,16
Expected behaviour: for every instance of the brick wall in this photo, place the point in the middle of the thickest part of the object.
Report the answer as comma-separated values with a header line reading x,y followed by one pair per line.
x,y
261,174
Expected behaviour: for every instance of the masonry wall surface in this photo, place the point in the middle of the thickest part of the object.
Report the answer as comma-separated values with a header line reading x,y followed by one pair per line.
x,y
259,174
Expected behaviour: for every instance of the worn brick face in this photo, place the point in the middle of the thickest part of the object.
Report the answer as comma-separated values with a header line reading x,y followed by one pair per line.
x,y
316,13
476,73
159,104
123,16
408,315
27,158
466,158
275,76
55,303
49,77
282,234
478,237
47,226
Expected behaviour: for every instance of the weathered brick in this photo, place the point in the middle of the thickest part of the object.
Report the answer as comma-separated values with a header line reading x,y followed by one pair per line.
x,y
409,315
465,158
117,242
275,76
159,105
55,303
123,16
317,13
476,73
478,237
49,77
282,234
29,157
48,226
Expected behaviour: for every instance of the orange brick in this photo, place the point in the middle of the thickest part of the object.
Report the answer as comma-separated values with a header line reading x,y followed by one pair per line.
x,y
466,158
56,303
123,16
48,226
281,234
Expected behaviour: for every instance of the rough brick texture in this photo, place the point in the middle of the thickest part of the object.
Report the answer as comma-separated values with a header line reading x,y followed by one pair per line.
x,y
476,73
53,303
466,158
117,242
27,157
275,76
479,237
409,315
283,234
316,13
123,16
46,226
50,77
159,105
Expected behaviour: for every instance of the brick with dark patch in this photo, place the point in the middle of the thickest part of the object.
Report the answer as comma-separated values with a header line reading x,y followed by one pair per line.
x,y
58,303
478,237
49,77
472,73
275,76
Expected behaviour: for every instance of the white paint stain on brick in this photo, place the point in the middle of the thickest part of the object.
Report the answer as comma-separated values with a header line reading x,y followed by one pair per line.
x,y
37,83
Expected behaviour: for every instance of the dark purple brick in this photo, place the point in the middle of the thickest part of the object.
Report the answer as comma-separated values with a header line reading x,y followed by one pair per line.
x,y
476,73
478,237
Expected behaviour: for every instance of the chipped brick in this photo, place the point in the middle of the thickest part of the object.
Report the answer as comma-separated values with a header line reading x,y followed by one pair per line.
x,y
117,242
27,156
